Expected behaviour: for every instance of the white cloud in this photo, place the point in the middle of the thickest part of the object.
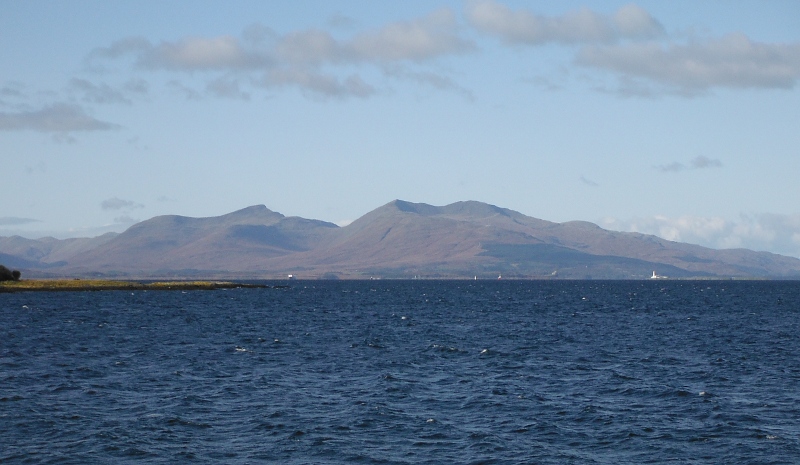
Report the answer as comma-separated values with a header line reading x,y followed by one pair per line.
x,y
312,48
733,61
59,117
575,27
631,21
418,40
766,231
312,60
198,54
634,47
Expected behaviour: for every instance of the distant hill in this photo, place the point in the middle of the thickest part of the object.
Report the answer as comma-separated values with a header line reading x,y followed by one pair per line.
x,y
398,240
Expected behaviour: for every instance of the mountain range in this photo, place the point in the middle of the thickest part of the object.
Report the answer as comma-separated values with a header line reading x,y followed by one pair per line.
x,y
398,240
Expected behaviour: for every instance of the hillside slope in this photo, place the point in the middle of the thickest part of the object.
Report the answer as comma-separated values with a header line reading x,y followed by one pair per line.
x,y
400,239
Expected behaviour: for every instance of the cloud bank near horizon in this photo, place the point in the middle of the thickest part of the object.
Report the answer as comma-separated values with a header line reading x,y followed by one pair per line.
x,y
766,231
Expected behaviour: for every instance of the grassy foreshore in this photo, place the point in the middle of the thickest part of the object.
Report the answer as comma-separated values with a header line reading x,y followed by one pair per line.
x,y
114,285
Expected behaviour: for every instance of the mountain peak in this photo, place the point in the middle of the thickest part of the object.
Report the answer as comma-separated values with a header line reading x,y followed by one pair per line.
x,y
251,210
473,208
418,208
254,214
469,208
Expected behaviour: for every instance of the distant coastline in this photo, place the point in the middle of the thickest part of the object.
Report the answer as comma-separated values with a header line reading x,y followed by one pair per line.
x,y
398,240
57,285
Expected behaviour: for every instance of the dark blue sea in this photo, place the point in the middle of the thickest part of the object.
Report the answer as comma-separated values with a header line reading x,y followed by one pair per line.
x,y
405,372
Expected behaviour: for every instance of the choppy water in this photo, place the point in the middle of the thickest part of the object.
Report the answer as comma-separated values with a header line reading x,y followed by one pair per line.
x,y
405,372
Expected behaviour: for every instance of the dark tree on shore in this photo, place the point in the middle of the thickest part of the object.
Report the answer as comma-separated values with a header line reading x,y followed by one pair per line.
x,y
8,275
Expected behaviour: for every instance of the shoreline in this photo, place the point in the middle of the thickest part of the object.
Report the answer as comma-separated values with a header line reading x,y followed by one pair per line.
x,y
58,285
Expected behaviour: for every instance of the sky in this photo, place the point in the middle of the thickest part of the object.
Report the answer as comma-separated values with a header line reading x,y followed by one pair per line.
x,y
679,119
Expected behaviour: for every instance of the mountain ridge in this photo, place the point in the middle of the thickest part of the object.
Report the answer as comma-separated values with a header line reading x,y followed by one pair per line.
x,y
400,239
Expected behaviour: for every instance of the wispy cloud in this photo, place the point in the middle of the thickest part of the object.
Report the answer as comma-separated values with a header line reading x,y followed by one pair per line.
x,y
701,162
115,203
96,93
635,49
199,54
697,163
428,79
312,60
137,144
125,220
418,40
59,117
38,167
15,221
524,27
673,167
340,21
227,88
315,82
187,92
733,61
13,89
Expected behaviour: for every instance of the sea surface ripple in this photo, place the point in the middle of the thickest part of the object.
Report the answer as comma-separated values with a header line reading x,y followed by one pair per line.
x,y
405,372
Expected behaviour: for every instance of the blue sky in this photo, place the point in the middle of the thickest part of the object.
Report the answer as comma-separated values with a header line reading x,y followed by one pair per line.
x,y
680,119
